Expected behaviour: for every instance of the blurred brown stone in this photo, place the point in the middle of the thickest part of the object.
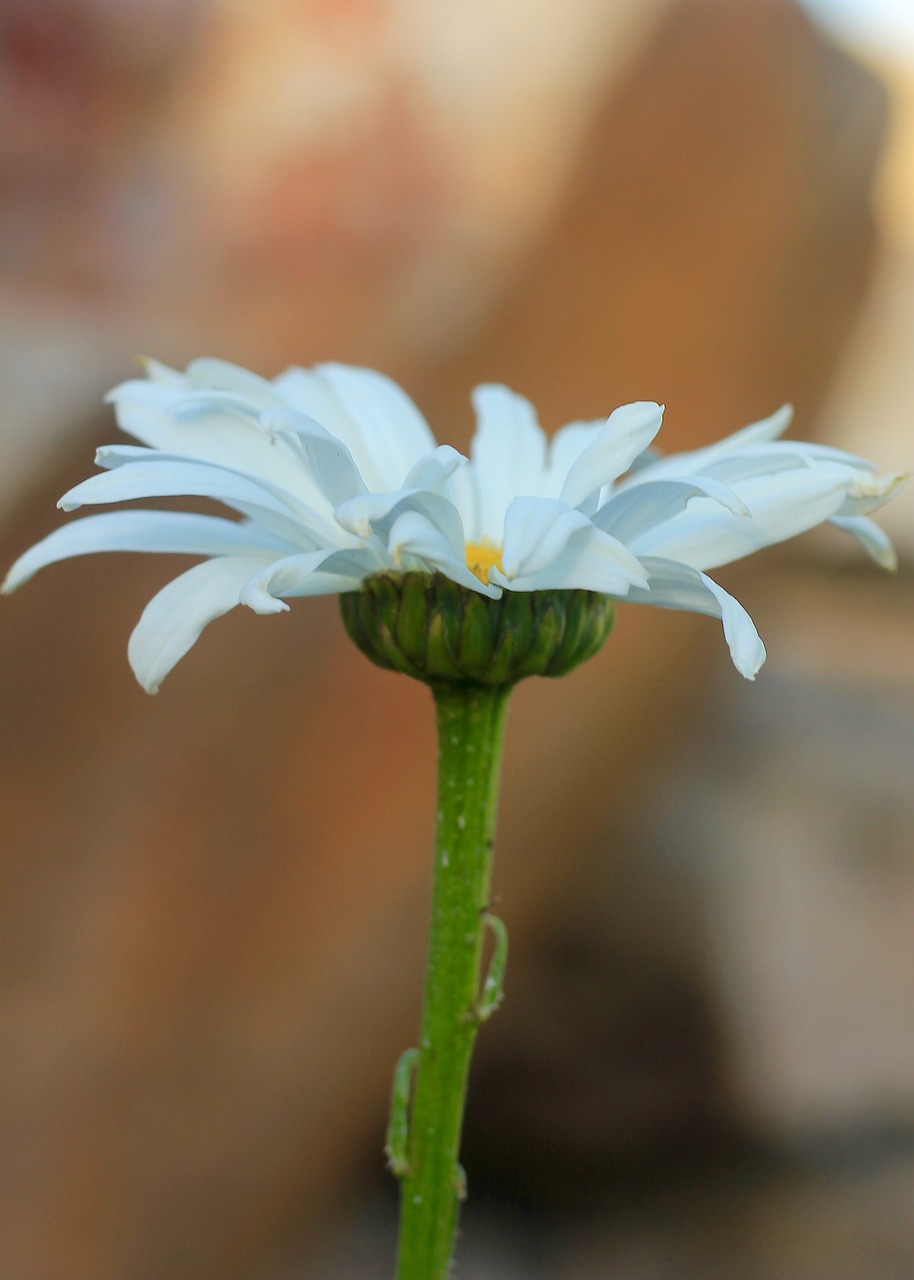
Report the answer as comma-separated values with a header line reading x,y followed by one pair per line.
x,y
725,192
213,912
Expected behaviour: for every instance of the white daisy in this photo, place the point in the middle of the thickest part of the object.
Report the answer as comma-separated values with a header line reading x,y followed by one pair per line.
x,y
336,476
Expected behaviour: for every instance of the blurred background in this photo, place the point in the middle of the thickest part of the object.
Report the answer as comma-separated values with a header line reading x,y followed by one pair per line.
x,y
213,902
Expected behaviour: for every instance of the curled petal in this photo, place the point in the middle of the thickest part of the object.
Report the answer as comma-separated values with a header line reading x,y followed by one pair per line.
x,y
373,514
155,476
164,531
174,618
310,573
676,586
875,541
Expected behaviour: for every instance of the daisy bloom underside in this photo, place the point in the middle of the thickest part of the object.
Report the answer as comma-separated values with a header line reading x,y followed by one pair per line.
x,y
332,475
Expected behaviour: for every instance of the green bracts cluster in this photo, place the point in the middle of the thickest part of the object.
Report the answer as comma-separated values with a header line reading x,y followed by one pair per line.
x,y
426,626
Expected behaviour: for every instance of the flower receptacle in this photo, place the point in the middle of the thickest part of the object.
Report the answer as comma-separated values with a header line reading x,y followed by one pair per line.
x,y
426,626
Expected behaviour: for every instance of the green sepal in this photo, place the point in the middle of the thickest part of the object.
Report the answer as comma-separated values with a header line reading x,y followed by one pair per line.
x,y
412,618
477,639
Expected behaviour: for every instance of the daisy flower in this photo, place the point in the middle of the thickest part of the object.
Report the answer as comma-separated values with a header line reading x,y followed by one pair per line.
x,y
332,475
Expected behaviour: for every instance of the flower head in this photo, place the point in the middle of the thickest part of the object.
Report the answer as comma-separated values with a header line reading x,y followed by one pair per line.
x,y
333,476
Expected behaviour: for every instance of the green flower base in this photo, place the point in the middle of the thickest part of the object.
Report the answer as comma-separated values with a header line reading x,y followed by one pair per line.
x,y
426,626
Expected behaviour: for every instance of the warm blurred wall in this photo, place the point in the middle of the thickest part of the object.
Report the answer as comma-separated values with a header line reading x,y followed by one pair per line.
x,y
212,933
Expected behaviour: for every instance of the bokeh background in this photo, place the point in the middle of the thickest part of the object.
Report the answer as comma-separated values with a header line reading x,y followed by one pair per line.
x,y
213,902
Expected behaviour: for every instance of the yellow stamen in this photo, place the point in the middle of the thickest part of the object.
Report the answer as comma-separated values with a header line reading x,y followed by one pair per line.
x,y
481,556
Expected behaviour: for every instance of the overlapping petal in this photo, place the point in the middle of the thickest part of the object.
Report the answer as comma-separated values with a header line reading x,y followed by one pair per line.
x,y
417,544
549,545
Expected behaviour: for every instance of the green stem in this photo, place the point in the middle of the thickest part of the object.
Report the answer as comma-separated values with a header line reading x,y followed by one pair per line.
x,y
471,721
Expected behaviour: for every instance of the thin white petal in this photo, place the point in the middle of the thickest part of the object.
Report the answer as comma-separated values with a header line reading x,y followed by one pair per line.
x,y
174,618
712,459
220,375
626,433
160,531
677,586
875,541
507,458
415,543
630,512
158,372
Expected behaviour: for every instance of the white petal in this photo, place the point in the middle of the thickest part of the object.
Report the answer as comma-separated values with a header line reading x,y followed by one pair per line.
x,y
549,545
165,531
507,458
415,542
677,586
220,375
435,469
875,541
158,372
172,621
565,447
711,460
630,512
782,506
626,433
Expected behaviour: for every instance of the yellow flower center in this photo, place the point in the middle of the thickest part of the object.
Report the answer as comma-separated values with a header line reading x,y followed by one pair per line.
x,y
481,556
